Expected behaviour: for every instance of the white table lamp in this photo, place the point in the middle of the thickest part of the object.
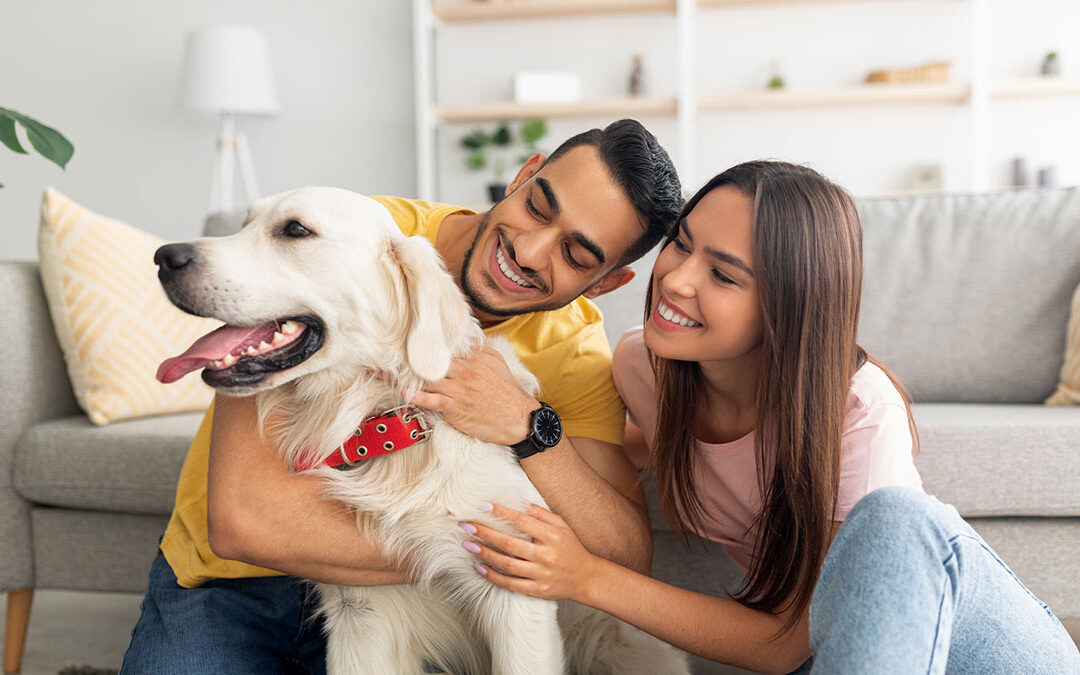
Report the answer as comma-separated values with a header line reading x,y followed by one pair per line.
x,y
227,72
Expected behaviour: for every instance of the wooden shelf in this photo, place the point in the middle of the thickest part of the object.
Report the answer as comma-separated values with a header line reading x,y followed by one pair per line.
x,y
628,107
743,3
868,94
536,9
1034,87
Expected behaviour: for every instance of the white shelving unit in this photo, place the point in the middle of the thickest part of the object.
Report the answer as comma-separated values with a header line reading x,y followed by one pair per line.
x,y
689,103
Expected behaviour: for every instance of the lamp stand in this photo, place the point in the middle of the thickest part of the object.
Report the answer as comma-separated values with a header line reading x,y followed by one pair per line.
x,y
231,152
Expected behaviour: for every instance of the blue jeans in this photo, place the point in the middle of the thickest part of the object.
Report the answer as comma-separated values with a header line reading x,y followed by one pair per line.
x,y
909,587
256,626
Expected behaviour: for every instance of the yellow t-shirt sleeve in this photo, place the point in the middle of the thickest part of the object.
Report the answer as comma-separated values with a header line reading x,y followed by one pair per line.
x,y
186,545
575,380
592,408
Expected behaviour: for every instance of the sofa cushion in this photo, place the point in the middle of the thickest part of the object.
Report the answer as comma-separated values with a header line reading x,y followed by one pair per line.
x,y
112,319
1001,460
129,467
1068,389
966,296
987,460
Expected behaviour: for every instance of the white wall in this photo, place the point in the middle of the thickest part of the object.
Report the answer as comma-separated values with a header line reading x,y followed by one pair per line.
x,y
106,75
870,149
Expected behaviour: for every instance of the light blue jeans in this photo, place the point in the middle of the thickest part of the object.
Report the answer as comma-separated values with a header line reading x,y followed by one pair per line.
x,y
909,587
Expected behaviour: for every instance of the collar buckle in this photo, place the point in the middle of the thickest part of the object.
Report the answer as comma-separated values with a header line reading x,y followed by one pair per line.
x,y
408,413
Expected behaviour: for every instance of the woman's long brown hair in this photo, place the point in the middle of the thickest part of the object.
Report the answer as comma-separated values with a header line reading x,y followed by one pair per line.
x,y
808,268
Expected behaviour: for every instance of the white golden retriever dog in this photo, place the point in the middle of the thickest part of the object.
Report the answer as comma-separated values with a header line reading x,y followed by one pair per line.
x,y
318,292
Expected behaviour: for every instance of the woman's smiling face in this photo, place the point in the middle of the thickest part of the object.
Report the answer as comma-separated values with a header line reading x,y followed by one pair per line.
x,y
704,296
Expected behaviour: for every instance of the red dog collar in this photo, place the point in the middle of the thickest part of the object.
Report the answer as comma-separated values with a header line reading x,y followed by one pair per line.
x,y
378,435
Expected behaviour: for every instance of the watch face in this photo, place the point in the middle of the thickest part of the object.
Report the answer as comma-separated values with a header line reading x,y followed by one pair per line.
x,y
547,426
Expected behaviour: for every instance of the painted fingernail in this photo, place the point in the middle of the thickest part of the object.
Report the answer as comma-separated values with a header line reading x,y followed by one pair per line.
x,y
471,529
481,569
486,507
526,503
471,547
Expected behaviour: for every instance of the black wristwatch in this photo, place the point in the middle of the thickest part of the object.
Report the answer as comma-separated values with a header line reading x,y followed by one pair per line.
x,y
545,431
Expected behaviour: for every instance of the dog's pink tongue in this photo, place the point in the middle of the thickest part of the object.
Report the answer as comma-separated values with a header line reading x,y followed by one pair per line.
x,y
213,346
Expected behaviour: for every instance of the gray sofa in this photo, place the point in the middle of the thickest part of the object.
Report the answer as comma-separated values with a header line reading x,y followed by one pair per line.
x,y
966,297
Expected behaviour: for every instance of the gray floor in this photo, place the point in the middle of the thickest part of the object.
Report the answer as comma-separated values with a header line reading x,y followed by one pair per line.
x,y
68,628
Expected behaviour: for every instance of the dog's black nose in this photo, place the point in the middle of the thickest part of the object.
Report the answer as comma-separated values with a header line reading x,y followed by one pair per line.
x,y
173,258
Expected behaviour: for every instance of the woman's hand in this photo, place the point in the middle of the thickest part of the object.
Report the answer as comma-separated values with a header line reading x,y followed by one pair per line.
x,y
553,565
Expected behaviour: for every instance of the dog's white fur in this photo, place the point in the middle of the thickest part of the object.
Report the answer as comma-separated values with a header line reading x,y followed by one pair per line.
x,y
389,305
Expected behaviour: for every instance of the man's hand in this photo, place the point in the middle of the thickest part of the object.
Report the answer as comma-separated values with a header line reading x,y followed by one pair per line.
x,y
588,482
480,398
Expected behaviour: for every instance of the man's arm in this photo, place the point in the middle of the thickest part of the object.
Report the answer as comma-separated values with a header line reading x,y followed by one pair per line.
x,y
592,484
260,512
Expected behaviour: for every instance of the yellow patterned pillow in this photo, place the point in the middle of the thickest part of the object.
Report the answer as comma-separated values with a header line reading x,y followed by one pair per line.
x,y
1068,391
112,319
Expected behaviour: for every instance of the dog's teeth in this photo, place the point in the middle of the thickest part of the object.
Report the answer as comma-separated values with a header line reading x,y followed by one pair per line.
x,y
290,327
251,351
229,360
277,336
215,364
264,345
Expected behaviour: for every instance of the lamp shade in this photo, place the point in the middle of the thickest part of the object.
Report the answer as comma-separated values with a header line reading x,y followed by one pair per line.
x,y
227,69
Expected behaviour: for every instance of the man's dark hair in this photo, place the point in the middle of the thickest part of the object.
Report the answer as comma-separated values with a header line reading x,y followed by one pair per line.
x,y
643,169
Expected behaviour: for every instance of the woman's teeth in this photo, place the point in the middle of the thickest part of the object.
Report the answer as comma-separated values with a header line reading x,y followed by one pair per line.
x,y
505,267
674,317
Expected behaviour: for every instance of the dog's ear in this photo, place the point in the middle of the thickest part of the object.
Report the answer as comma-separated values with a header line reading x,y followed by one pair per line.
x,y
438,318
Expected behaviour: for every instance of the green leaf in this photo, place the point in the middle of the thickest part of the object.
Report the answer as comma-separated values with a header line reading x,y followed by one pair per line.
x,y
49,142
476,161
7,132
533,130
52,144
475,140
501,135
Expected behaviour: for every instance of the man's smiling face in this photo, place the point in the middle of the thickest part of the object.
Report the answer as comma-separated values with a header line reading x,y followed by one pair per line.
x,y
558,234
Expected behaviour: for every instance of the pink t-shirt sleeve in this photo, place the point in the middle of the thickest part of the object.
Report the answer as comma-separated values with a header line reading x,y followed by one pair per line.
x,y
876,449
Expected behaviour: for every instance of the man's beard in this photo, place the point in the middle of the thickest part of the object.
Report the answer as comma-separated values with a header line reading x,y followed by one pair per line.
x,y
474,298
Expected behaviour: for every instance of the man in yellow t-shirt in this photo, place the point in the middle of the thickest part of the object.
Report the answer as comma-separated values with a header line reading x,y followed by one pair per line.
x,y
224,593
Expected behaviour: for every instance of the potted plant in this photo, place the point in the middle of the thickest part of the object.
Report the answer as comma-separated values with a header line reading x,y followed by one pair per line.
x,y
531,133
490,149
1051,64
48,141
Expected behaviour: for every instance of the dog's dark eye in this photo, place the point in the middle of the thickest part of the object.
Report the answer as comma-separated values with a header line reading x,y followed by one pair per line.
x,y
294,229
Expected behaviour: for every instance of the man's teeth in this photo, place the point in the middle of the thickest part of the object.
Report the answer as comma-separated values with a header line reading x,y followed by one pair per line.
x,y
508,272
288,329
674,317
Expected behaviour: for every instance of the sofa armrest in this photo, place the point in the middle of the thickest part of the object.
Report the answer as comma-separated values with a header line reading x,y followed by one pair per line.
x,y
35,387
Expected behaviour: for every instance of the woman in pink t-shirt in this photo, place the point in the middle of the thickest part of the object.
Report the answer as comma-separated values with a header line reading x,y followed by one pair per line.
x,y
767,427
